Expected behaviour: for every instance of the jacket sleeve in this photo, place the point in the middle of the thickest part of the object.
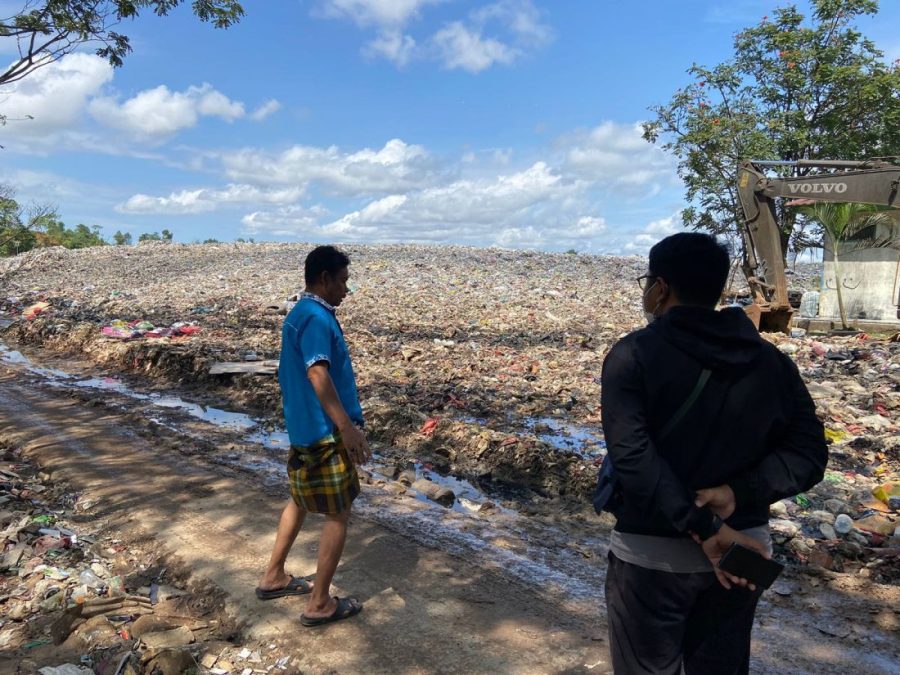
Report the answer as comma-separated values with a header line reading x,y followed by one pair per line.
x,y
797,462
647,480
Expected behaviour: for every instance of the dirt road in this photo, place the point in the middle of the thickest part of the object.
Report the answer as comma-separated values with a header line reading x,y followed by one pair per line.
x,y
444,592
425,610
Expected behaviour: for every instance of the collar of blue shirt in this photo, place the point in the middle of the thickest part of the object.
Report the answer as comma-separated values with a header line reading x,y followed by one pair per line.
x,y
316,298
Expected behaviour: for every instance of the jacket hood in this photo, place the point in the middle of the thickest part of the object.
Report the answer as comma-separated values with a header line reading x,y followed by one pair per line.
x,y
720,340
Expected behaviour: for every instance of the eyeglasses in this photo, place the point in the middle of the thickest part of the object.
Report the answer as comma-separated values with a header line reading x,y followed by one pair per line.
x,y
644,279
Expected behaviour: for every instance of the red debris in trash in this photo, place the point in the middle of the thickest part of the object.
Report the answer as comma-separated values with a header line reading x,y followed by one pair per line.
x,y
37,308
429,426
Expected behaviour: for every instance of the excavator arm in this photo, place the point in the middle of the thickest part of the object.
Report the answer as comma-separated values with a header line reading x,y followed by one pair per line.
x,y
871,182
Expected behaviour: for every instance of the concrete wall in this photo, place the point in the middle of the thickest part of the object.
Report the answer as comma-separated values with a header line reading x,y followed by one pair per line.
x,y
870,282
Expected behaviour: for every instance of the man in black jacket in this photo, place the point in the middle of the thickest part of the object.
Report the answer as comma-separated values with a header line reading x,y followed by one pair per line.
x,y
750,438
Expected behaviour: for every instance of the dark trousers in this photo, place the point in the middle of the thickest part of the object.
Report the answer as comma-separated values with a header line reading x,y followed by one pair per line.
x,y
661,621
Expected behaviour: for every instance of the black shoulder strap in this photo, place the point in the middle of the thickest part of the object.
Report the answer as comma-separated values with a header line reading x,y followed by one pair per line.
x,y
688,403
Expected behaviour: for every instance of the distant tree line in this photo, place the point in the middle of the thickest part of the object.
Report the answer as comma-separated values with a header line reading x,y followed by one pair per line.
x,y
23,228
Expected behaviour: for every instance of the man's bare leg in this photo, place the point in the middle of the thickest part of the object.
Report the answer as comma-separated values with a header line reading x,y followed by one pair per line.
x,y
288,527
331,546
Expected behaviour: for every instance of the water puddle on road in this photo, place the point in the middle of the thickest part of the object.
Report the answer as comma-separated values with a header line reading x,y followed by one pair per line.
x,y
469,499
565,436
225,419
560,434
13,357
271,440
106,384
16,358
220,418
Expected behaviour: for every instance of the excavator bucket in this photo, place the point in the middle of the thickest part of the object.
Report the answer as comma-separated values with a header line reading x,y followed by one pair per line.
x,y
770,319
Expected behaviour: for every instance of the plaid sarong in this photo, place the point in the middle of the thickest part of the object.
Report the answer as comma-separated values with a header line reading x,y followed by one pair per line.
x,y
321,476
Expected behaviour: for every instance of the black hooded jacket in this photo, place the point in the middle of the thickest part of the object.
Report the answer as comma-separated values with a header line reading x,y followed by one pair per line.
x,y
754,426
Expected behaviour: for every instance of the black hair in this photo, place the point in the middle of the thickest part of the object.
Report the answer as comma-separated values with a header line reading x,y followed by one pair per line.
x,y
323,259
694,265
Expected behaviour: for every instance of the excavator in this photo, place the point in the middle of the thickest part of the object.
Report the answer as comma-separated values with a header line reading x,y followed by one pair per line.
x,y
875,181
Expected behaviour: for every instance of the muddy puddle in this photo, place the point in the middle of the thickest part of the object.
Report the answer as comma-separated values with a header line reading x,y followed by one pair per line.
x,y
565,436
559,434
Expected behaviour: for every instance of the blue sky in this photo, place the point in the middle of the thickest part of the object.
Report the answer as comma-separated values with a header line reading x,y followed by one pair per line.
x,y
476,122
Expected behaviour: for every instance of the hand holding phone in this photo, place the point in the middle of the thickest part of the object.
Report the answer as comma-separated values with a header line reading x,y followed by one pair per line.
x,y
745,563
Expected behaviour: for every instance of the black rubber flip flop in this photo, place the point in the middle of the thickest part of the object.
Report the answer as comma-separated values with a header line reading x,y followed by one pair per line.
x,y
346,607
296,586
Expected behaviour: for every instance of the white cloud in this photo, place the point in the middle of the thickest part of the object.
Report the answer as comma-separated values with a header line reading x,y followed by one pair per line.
x,y
55,96
268,108
287,221
382,13
589,226
467,49
395,167
206,199
641,242
652,233
520,16
47,110
508,210
467,46
400,192
393,46
159,113
617,155
427,214
664,226
462,202
496,33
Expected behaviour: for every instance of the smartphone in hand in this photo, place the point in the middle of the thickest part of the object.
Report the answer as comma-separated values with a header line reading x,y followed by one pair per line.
x,y
750,565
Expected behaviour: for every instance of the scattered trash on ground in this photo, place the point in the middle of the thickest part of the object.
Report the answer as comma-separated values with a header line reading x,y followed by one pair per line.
x,y
75,602
132,330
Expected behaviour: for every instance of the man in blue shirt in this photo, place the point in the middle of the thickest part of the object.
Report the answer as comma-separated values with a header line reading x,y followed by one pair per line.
x,y
324,422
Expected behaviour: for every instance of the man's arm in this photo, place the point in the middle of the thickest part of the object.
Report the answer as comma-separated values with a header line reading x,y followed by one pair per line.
x,y
796,464
354,440
646,478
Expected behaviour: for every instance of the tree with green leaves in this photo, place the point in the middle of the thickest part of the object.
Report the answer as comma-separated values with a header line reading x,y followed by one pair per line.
x,y
35,226
849,227
122,238
166,235
47,30
797,87
19,225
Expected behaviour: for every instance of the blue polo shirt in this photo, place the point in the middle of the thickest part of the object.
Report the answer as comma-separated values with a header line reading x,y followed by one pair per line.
x,y
310,334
